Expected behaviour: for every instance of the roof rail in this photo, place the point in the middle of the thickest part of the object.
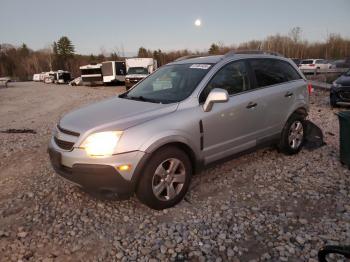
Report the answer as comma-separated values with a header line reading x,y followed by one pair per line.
x,y
253,52
187,57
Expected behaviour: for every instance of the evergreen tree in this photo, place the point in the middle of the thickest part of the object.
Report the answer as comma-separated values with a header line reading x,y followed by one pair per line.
x,y
214,49
142,52
65,48
24,50
63,52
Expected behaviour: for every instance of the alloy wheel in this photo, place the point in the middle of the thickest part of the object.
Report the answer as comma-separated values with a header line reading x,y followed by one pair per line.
x,y
168,179
296,134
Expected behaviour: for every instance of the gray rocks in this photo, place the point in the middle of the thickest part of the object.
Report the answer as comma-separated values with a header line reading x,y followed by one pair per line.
x,y
263,206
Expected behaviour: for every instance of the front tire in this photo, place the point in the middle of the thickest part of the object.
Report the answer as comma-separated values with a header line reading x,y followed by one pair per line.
x,y
165,179
293,135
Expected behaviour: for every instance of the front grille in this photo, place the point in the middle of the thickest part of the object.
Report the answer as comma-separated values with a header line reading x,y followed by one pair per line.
x,y
345,95
134,79
63,144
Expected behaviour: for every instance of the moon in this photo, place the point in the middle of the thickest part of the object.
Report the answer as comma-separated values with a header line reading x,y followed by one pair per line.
x,y
198,22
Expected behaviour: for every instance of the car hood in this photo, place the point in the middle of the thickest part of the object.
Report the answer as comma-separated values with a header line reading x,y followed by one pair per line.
x,y
343,80
113,114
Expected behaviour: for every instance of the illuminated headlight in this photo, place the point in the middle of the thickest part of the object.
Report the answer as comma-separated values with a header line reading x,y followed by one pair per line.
x,y
101,144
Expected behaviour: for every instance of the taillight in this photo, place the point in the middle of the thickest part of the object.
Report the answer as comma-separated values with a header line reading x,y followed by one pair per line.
x,y
311,64
309,88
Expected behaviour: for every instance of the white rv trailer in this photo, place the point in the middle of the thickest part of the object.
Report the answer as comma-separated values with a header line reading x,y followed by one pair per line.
x,y
113,72
50,77
137,69
91,74
63,77
36,77
42,76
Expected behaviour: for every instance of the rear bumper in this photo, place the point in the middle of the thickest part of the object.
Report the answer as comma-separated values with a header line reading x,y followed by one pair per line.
x,y
130,84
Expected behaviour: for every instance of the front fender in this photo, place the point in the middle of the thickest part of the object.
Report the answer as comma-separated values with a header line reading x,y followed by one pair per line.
x,y
168,137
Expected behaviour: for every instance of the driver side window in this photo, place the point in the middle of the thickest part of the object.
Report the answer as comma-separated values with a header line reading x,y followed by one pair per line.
x,y
233,77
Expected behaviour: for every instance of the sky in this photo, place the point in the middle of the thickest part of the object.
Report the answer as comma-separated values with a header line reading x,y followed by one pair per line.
x,y
112,25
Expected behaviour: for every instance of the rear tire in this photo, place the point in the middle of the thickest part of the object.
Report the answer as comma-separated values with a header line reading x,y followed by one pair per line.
x,y
165,179
293,135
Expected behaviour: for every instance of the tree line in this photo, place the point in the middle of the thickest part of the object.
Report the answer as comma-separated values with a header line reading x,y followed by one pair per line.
x,y
293,46
22,62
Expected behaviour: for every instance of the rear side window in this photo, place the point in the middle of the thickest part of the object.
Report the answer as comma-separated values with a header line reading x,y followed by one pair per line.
x,y
272,72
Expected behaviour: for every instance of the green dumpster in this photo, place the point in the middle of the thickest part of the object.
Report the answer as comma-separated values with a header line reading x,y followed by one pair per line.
x,y
344,137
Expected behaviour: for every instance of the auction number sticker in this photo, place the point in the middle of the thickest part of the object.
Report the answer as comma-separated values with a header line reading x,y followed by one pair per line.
x,y
200,66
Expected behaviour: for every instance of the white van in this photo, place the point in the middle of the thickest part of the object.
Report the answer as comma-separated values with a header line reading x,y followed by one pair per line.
x,y
137,69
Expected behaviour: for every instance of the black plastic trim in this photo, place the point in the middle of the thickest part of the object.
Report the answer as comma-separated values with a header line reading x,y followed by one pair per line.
x,y
94,177
68,132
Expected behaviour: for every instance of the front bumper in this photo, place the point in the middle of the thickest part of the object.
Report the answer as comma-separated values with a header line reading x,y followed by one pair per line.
x,y
129,84
97,174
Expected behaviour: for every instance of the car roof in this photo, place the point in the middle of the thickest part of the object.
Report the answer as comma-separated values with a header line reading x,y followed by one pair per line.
x,y
214,59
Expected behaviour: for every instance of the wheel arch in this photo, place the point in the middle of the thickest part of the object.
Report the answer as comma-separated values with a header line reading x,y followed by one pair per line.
x,y
185,147
188,150
302,111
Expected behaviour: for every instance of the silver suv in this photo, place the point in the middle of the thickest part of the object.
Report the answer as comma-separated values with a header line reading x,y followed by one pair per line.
x,y
151,139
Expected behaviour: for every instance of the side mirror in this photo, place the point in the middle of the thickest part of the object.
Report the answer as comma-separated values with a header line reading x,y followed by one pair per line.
x,y
217,95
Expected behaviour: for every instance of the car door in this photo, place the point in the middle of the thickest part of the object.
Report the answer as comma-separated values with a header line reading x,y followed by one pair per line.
x,y
277,85
232,126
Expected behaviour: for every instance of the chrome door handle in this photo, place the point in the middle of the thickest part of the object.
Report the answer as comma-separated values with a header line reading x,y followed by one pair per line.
x,y
251,105
288,94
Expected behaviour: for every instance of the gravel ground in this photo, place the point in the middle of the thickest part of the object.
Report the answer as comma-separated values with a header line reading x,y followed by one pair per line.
x,y
263,206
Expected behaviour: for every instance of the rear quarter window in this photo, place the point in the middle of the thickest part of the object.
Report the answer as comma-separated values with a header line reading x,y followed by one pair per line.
x,y
272,72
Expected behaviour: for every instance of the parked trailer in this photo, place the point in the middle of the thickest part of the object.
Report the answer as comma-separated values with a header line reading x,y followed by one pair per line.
x,y
36,77
137,69
42,76
50,77
113,72
4,81
63,77
91,74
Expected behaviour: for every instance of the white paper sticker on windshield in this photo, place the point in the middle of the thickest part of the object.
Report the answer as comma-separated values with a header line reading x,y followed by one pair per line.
x,y
200,66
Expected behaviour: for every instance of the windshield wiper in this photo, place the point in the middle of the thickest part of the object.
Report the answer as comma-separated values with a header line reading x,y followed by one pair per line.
x,y
142,98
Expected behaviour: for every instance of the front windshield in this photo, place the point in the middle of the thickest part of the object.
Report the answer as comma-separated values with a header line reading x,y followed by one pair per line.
x,y
169,84
137,71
